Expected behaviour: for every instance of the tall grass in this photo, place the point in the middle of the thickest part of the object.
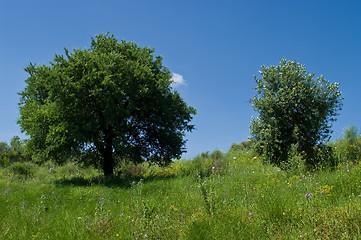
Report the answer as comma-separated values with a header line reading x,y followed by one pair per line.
x,y
214,196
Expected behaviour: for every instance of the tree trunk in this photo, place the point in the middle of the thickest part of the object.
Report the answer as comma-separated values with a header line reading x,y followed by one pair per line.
x,y
108,163
310,157
108,166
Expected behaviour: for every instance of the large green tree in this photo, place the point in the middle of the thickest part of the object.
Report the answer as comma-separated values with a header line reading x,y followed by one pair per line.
x,y
295,110
114,100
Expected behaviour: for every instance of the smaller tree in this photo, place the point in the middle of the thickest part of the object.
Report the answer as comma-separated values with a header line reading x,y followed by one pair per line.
x,y
351,144
295,110
350,134
12,153
4,154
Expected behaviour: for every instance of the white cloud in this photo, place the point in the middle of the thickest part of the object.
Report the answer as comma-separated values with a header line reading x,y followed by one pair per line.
x,y
177,80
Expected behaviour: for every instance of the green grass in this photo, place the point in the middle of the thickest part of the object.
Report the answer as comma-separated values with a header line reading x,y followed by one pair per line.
x,y
234,198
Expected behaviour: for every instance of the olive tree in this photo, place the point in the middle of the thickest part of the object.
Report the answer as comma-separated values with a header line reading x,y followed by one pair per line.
x,y
113,100
295,110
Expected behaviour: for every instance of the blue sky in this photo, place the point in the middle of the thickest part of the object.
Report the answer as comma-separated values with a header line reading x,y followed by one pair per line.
x,y
215,46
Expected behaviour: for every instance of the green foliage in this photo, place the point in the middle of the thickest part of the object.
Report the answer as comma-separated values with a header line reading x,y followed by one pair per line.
x,y
242,147
205,164
113,100
295,109
13,153
352,144
245,148
4,154
24,169
350,134
348,148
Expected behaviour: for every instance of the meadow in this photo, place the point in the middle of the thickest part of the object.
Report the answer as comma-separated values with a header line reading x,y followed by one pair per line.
x,y
214,196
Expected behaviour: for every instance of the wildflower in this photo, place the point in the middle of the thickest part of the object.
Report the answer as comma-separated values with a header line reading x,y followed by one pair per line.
x,y
321,192
308,195
249,214
234,157
121,215
182,214
101,199
145,235
79,218
317,183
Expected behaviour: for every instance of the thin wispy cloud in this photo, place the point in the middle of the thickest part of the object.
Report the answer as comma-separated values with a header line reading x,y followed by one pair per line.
x,y
177,80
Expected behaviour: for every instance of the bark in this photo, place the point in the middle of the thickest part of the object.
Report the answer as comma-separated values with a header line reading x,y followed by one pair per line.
x,y
108,165
310,157
107,154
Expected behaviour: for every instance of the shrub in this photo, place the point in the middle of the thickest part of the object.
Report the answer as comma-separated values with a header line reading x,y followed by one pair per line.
x,y
348,149
137,171
164,172
67,169
4,161
24,169
244,146
183,168
219,161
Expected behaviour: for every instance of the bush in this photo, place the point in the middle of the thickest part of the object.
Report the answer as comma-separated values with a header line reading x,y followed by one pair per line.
x,y
4,160
183,168
68,169
348,149
24,169
204,164
165,172
294,165
244,146
325,157
137,171
219,161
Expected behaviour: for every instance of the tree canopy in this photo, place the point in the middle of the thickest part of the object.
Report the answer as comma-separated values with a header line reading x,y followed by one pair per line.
x,y
113,100
295,110
11,153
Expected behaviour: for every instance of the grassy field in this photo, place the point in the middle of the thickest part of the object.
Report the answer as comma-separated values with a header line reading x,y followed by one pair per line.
x,y
224,197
